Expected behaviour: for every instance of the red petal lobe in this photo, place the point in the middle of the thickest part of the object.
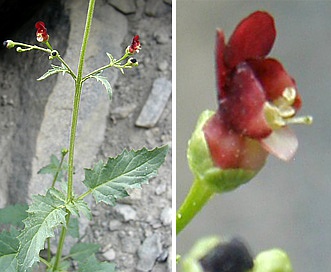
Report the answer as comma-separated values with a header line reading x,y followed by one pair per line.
x,y
273,78
243,106
224,145
220,66
253,38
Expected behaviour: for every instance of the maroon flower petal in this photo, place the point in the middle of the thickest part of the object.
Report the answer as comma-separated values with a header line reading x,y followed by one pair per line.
x,y
220,66
282,143
230,150
224,145
40,25
243,106
273,78
253,38
253,156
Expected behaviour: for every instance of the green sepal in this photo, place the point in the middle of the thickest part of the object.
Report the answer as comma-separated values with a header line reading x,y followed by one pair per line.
x,y
203,167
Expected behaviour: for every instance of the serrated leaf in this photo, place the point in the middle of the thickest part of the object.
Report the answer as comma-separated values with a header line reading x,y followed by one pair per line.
x,y
13,214
82,251
45,214
73,227
54,70
54,167
8,263
78,207
92,264
8,249
110,181
104,81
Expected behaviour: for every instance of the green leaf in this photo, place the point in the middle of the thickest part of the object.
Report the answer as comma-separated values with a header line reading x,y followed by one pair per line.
x,y
73,227
8,263
45,214
9,242
110,56
110,181
104,81
82,251
92,264
77,207
63,266
54,167
54,70
8,249
13,214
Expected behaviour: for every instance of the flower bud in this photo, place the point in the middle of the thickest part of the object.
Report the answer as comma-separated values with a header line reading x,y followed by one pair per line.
x,y
9,44
274,260
211,254
204,167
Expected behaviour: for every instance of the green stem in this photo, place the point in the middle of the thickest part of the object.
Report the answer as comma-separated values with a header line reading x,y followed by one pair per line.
x,y
67,66
32,47
61,242
78,91
112,64
197,197
74,121
82,196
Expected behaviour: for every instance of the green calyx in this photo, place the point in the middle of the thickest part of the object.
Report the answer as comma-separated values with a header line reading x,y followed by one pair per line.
x,y
203,167
273,260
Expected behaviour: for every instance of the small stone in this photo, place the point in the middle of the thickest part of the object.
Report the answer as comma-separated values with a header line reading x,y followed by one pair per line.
x,y
162,65
126,7
126,211
155,103
130,244
160,189
162,36
166,216
114,225
156,8
122,112
148,252
163,257
109,255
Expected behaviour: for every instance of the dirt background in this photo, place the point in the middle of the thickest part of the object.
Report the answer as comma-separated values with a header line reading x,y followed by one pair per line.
x,y
136,234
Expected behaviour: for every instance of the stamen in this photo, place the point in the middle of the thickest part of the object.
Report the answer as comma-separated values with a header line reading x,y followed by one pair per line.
x,y
290,94
280,112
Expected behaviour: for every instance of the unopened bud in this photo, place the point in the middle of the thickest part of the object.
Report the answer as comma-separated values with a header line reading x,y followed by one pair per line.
x,y
9,44
274,260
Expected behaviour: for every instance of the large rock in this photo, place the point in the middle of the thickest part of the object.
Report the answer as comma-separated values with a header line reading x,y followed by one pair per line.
x,y
35,116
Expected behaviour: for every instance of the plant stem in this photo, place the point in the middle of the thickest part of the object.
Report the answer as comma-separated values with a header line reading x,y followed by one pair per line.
x,y
74,121
78,91
197,197
61,242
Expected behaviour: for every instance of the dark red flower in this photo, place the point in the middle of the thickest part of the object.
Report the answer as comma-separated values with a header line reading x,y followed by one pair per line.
x,y
41,33
257,99
135,45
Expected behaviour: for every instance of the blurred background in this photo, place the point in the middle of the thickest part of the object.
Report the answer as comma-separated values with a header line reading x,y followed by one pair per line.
x,y
286,205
